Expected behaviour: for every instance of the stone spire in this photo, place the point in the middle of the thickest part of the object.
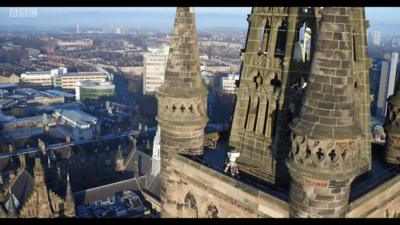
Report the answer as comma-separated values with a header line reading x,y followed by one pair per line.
x,y
182,76
328,109
12,211
182,106
325,155
68,194
392,129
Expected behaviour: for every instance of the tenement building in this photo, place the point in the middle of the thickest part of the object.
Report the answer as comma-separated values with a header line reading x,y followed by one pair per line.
x,y
300,128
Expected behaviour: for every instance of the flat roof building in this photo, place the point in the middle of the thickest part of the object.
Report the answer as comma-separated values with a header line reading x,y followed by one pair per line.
x,y
91,90
75,118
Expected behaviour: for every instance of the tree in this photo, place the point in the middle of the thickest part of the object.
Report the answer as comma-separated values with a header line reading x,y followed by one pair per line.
x,y
16,112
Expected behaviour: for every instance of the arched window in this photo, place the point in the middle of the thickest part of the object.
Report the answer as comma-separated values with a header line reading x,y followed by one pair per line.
x,y
387,213
212,211
257,109
247,111
281,41
354,46
266,118
264,36
190,207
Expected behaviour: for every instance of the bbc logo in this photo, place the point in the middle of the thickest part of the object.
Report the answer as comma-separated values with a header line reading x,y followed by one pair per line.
x,y
23,12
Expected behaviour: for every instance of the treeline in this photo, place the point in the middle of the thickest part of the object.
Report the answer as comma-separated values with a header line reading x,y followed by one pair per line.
x,y
12,55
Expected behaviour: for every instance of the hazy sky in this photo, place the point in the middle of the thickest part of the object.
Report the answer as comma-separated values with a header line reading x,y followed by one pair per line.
x,y
385,19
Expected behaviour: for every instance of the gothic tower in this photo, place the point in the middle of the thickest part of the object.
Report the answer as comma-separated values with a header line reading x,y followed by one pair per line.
x,y
326,139
392,129
269,93
182,105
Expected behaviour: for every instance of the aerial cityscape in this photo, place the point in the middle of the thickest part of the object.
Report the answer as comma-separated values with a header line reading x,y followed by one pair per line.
x,y
196,112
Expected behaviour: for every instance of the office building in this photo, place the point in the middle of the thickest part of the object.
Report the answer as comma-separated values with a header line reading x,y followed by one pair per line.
x,y
155,62
228,83
377,38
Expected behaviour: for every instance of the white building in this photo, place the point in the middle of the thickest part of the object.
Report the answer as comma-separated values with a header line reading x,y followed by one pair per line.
x,y
155,62
229,83
80,125
61,78
41,78
156,145
377,38
387,84
382,93
80,43
70,80
305,42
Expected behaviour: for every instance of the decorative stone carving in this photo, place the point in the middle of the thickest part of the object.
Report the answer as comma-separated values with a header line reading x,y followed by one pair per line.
x,y
392,129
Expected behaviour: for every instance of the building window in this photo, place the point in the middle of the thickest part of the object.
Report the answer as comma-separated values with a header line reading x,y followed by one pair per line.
x,y
212,211
190,206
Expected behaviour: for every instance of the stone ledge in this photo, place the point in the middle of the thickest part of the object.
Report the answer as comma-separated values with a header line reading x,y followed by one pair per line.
x,y
235,183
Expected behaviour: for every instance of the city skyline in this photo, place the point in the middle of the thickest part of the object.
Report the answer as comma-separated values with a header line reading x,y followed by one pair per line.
x,y
381,18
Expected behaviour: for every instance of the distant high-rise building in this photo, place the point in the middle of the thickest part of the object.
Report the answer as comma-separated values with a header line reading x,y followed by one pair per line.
x,y
377,38
305,42
386,85
392,73
77,28
382,93
155,62
374,78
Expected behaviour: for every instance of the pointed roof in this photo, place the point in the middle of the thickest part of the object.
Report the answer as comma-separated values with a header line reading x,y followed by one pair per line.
x,y
12,211
328,106
38,172
182,76
69,197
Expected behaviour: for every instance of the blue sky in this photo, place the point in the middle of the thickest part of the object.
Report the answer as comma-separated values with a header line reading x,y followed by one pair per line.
x,y
386,19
